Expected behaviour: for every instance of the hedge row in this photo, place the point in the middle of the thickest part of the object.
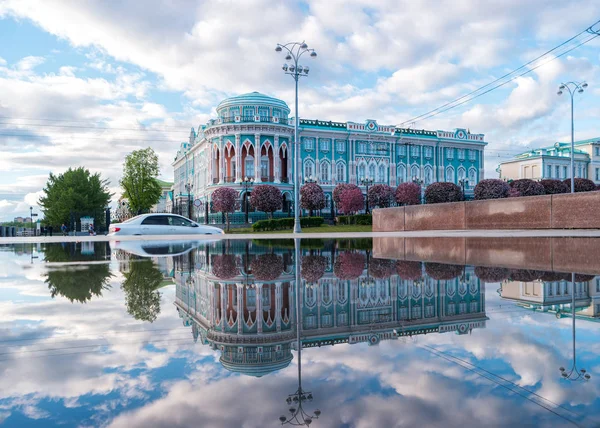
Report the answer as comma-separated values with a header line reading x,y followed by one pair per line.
x,y
360,219
286,223
498,189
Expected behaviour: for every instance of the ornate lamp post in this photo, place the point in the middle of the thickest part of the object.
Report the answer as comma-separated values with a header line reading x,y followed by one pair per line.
x,y
572,88
246,182
463,182
310,179
188,188
574,374
295,50
298,416
366,181
419,181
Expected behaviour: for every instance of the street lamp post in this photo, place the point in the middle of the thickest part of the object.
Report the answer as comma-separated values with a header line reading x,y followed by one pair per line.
x,y
572,88
246,182
366,181
188,188
419,181
295,50
463,182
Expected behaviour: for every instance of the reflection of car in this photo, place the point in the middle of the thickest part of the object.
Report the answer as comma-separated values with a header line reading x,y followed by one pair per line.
x,y
161,224
156,248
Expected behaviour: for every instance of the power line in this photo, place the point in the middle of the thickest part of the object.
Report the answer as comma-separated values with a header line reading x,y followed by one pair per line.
x,y
90,127
38,119
427,114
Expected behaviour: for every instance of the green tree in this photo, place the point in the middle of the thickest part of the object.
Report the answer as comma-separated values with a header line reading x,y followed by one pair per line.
x,y
141,285
78,283
78,191
139,181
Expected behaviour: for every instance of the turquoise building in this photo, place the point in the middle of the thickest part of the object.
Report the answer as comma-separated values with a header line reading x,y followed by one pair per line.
x,y
252,136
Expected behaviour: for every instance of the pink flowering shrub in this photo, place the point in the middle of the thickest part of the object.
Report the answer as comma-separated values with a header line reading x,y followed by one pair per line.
x,y
266,198
408,194
527,187
381,268
380,195
513,193
581,185
313,267
437,193
224,200
409,270
491,188
267,267
339,189
349,265
312,197
553,186
351,201
491,274
442,271
224,266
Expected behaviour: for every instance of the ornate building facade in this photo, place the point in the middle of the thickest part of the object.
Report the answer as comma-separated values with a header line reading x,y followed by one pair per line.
x,y
252,134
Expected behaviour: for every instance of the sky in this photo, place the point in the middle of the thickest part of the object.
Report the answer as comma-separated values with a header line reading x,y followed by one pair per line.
x,y
84,83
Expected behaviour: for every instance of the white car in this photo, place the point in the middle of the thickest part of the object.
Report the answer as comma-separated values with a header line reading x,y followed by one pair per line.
x,y
161,224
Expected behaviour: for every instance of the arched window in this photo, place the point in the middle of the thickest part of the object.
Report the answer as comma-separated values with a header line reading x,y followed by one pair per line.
x,y
309,169
324,169
340,172
450,174
462,173
382,177
362,171
414,172
372,171
428,175
472,177
401,173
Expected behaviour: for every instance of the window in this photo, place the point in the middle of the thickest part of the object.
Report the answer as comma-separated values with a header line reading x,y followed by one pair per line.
x,y
340,172
362,147
414,172
414,151
428,151
472,155
382,178
362,171
462,174
401,150
326,320
249,166
310,321
179,221
156,220
249,112
461,154
557,171
342,318
449,153
472,177
309,169
309,144
324,171
416,312
264,166
474,307
401,173
372,172
597,174
340,146
428,175
549,171
450,174
564,172
597,151
324,145
263,113
251,297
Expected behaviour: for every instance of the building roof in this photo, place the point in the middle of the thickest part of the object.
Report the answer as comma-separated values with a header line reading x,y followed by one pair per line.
x,y
164,183
559,147
252,98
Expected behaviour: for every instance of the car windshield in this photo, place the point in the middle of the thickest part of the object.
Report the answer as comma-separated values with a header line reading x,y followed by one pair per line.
x,y
131,219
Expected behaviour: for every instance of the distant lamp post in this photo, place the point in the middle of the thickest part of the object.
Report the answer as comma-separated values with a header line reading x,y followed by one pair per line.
x,y
366,181
295,50
188,188
572,88
419,182
246,183
574,374
310,179
463,183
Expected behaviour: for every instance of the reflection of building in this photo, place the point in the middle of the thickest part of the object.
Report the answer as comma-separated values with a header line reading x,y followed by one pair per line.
x,y
252,322
251,135
555,296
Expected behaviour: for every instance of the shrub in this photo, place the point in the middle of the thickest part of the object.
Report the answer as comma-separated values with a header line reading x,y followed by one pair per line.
x,y
491,188
528,187
266,198
581,184
555,276
442,271
408,194
437,193
514,193
409,270
312,197
313,267
491,274
580,277
349,265
361,219
224,200
381,268
525,275
286,223
224,266
267,267
339,189
351,200
380,195
552,186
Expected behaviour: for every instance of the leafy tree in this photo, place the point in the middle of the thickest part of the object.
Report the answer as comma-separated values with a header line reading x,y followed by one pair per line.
x,y
76,190
380,195
141,284
266,198
339,189
408,194
491,188
528,187
440,192
351,200
77,283
224,200
139,182
312,197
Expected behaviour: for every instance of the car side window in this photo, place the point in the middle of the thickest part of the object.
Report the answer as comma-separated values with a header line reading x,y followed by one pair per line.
x,y
156,220
179,221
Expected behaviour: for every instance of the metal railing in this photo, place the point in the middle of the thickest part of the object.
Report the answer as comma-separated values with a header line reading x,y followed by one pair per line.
x,y
229,179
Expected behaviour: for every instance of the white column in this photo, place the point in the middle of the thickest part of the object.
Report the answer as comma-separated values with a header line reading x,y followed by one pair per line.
x,y
221,161
238,159
259,310
257,150
481,167
276,163
278,306
240,308
223,307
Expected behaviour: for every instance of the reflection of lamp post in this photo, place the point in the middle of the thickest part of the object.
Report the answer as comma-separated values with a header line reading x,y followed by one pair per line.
x,y
366,181
572,87
419,182
574,374
295,50
188,188
246,182
298,416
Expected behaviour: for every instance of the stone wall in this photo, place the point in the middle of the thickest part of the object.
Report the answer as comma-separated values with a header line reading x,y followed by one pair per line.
x,y
564,211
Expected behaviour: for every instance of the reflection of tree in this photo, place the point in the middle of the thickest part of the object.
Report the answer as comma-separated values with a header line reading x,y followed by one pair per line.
x,y
349,265
267,267
491,274
409,270
442,271
76,252
313,267
141,284
381,268
78,283
525,275
224,266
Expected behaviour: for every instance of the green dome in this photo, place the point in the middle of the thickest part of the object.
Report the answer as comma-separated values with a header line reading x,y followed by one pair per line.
x,y
253,99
